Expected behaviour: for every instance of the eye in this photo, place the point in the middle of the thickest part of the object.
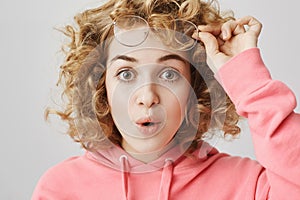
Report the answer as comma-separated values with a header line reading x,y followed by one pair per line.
x,y
126,75
170,75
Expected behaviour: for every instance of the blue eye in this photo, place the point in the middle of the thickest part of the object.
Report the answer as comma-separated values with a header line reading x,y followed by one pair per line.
x,y
170,75
126,75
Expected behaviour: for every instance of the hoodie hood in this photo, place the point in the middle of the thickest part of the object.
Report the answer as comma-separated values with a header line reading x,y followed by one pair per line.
x,y
173,159
113,157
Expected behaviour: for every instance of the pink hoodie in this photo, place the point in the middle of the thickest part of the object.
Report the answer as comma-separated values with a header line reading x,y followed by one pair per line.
x,y
268,104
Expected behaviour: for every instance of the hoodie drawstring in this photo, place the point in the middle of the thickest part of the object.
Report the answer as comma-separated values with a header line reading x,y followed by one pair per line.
x,y
166,180
123,160
165,183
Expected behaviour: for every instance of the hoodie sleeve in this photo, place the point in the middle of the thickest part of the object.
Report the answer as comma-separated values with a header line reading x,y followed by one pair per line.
x,y
275,127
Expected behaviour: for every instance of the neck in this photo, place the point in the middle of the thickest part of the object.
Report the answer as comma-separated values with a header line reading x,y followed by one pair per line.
x,y
151,156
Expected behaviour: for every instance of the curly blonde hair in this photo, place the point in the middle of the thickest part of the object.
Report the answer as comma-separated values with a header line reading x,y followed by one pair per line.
x,y
87,111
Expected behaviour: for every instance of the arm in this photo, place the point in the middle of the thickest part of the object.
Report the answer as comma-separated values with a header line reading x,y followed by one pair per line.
x,y
268,104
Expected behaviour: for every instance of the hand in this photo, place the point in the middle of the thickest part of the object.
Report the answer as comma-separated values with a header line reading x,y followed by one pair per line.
x,y
229,39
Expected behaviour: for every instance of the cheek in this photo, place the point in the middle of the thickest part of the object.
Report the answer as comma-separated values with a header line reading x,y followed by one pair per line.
x,y
175,108
175,102
118,100
179,94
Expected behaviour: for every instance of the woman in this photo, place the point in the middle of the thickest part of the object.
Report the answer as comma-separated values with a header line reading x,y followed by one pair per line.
x,y
143,97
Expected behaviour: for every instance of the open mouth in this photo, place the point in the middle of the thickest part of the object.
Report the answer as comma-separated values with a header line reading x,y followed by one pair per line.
x,y
148,124
148,127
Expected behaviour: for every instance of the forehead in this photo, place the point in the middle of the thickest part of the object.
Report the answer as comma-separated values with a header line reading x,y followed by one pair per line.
x,y
150,49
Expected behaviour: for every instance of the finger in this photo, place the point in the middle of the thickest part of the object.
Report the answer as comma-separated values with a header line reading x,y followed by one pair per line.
x,y
253,24
195,35
220,41
215,58
231,28
214,29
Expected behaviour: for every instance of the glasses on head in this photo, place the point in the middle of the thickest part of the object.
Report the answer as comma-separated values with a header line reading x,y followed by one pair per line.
x,y
131,30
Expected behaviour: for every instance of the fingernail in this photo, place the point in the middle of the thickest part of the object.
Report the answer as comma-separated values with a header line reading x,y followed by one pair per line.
x,y
195,35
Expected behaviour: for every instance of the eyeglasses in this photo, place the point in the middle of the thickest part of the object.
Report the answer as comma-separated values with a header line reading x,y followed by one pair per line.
x,y
131,30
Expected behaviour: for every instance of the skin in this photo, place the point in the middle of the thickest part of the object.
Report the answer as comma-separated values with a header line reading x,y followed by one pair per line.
x,y
221,42
228,40
139,87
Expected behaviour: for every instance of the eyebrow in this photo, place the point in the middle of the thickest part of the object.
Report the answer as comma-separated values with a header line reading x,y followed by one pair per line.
x,y
161,59
171,57
123,57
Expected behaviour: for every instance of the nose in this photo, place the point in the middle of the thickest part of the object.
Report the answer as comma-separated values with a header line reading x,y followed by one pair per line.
x,y
147,96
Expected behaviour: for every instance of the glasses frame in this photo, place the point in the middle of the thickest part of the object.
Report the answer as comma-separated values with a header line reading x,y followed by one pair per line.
x,y
118,30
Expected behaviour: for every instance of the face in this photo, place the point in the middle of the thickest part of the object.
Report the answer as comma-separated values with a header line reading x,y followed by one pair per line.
x,y
147,91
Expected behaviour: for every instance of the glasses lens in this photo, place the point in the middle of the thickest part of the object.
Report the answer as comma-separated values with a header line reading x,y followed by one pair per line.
x,y
131,30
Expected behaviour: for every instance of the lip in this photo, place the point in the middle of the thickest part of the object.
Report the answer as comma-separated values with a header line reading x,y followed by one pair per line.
x,y
148,126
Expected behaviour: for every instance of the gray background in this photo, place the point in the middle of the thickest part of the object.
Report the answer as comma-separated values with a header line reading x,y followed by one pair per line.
x,y
29,52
